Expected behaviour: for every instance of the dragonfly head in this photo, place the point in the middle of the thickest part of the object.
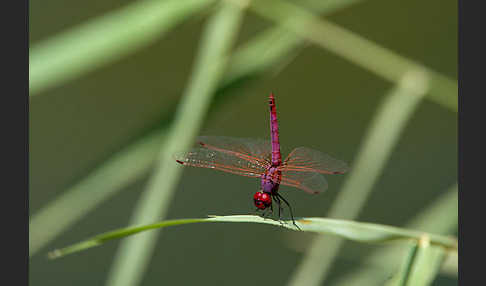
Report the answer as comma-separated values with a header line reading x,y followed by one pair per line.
x,y
262,200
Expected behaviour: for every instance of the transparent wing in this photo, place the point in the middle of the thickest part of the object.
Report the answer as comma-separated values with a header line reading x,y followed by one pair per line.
x,y
206,158
250,149
308,160
245,157
310,182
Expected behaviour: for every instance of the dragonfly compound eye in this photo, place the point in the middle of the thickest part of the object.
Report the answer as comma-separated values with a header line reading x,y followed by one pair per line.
x,y
262,200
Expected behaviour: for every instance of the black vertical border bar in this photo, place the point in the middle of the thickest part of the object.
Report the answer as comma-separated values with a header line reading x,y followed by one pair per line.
x,y
471,141
26,134
460,133
14,158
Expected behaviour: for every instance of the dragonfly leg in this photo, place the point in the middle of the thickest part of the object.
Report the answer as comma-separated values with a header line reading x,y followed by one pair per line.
x,y
264,213
257,211
277,200
290,209
271,209
279,204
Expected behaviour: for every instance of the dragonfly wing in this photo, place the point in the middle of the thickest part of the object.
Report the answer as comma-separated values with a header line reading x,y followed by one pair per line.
x,y
308,160
310,182
254,150
212,159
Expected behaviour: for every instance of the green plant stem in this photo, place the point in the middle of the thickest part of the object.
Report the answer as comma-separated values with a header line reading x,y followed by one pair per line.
x,y
254,58
353,47
352,230
379,141
401,278
96,43
438,217
134,254
426,263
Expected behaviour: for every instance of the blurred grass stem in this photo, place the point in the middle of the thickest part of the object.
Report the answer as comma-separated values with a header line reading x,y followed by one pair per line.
x,y
134,254
117,172
438,217
353,47
382,136
106,39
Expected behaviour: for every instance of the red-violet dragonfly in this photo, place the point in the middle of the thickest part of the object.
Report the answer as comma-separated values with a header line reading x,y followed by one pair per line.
x,y
302,169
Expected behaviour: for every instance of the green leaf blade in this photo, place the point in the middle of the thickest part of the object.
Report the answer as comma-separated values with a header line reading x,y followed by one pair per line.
x,y
357,231
427,264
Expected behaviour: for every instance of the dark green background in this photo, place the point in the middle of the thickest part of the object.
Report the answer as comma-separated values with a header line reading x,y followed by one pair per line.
x,y
323,101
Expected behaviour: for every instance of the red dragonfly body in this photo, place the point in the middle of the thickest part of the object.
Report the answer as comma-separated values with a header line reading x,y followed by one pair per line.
x,y
303,167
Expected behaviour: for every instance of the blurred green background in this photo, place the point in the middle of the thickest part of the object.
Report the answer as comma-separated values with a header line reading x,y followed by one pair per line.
x,y
324,102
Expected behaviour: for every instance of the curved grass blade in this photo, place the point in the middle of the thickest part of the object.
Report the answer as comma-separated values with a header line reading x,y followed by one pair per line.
x,y
116,234
357,231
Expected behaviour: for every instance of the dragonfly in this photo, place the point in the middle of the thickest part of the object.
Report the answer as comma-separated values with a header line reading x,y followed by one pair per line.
x,y
303,168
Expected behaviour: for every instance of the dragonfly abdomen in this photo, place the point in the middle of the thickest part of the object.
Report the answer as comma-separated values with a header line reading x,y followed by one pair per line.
x,y
276,155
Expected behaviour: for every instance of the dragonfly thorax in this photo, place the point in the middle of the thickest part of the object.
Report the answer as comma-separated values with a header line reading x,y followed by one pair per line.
x,y
271,180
